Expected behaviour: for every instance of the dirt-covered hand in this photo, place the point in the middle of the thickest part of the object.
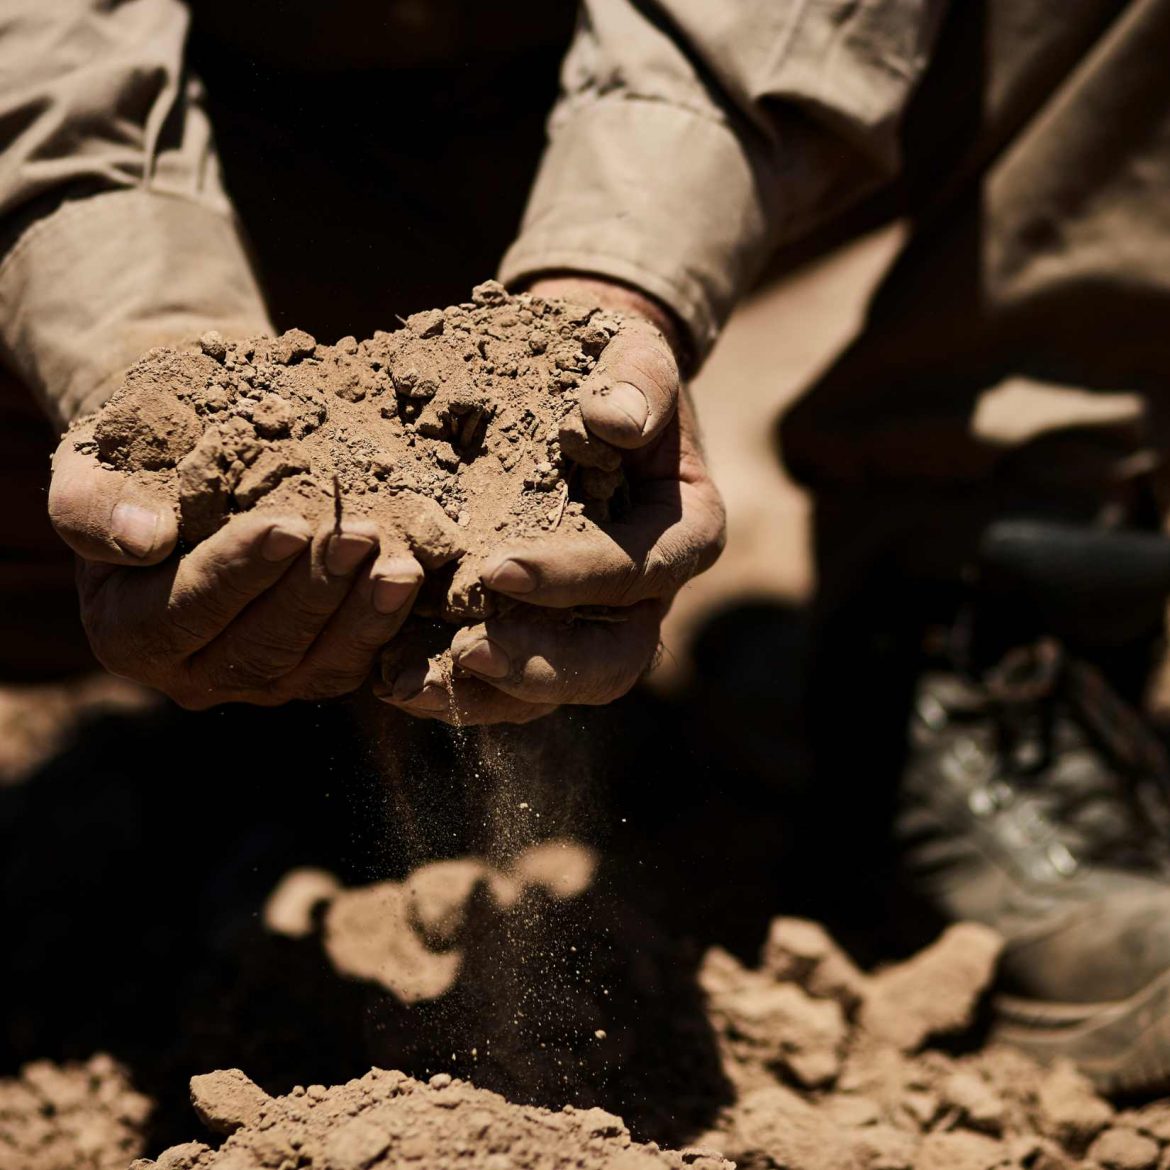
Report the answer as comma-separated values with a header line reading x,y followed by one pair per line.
x,y
611,585
264,611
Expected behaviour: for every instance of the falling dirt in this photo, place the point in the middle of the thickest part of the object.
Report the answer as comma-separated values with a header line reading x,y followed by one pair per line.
x,y
456,432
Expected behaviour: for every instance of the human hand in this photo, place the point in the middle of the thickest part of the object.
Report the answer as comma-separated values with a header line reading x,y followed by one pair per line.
x,y
264,611
526,662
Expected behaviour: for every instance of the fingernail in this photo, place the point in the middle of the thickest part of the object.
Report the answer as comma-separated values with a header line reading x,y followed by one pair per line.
x,y
280,544
406,683
627,399
390,596
134,529
511,577
431,698
345,551
484,657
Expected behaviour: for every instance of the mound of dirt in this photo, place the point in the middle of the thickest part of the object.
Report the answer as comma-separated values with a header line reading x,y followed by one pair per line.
x,y
387,1119
830,1067
71,1117
832,1070
458,431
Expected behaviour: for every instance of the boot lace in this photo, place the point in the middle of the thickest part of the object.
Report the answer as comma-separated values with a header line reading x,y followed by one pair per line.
x,y
1083,767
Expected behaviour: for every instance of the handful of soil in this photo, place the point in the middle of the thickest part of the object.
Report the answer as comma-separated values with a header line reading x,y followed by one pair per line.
x,y
455,433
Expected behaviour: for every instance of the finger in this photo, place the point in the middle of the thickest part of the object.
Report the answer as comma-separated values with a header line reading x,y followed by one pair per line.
x,y
672,534
461,702
142,622
340,659
268,640
632,394
106,516
417,677
581,661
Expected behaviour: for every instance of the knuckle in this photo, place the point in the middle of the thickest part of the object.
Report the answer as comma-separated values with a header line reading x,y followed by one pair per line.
x,y
668,563
94,624
632,581
218,587
234,674
712,529
527,712
595,689
685,552
108,657
262,655
627,650
334,669
203,605
224,596
69,505
650,365
207,686
270,696
182,687
313,602
115,651
63,514
599,664
190,700
325,683
462,716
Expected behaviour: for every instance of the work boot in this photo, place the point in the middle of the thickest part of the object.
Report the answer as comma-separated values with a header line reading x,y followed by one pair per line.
x,y
1035,799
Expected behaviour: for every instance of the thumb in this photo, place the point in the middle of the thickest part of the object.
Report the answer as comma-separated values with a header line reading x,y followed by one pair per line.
x,y
633,393
103,515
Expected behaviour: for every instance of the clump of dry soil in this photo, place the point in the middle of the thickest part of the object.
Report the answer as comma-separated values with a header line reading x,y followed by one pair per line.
x,y
458,431
71,1117
388,1119
409,937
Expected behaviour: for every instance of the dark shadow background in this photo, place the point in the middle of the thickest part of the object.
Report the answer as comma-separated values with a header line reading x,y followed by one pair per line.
x,y
134,866
379,155
379,170
379,160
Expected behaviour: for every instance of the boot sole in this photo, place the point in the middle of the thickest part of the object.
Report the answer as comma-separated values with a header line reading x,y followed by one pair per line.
x,y
1123,1046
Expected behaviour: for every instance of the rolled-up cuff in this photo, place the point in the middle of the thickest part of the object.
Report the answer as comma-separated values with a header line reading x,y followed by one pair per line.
x,y
652,194
87,289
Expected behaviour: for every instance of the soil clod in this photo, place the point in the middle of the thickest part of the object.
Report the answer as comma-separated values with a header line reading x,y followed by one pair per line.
x,y
386,1119
454,434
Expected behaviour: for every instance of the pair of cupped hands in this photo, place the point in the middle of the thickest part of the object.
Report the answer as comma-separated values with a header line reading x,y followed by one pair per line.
x,y
267,610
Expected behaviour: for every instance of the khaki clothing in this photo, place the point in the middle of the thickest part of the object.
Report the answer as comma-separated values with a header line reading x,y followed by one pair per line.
x,y
1025,140
374,223
118,230
688,141
1015,358
692,138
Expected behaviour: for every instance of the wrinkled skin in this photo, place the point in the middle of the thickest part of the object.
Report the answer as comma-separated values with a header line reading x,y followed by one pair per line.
x,y
512,670
264,611
267,611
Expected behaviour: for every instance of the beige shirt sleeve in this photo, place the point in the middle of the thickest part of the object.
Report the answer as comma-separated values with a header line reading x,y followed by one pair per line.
x,y
694,136
117,231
